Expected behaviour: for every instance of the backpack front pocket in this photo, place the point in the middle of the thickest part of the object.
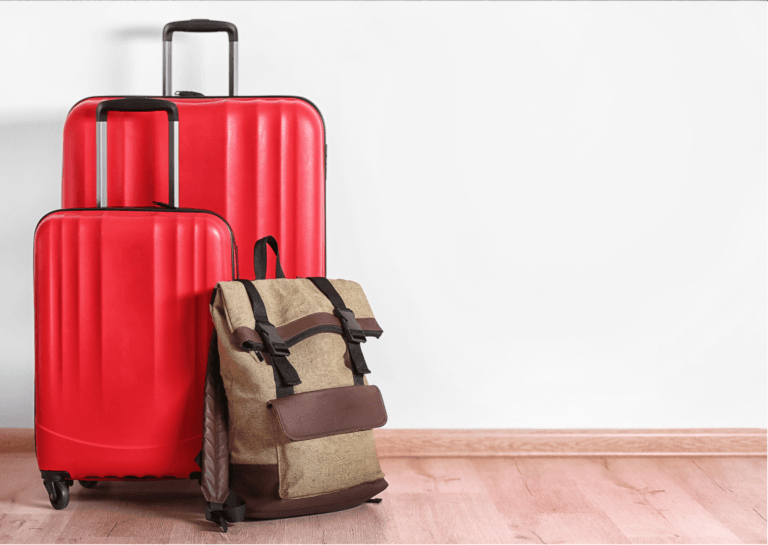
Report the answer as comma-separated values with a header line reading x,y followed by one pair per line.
x,y
324,439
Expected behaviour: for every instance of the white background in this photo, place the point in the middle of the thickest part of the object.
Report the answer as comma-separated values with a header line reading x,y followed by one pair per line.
x,y
557,210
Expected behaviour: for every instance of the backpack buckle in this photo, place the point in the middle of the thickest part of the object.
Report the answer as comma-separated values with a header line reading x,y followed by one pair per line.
x,y
272,341
352,330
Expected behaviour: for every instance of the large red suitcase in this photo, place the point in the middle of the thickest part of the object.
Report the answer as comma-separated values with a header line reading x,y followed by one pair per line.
x,y
259,162
121,333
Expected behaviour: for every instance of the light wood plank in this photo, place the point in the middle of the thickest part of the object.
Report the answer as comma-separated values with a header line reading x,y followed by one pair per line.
x,y
503,480
645,503
21,487
745,478
132,510
547,485
447,518
537,443
542,502
566,528
115,540
367,523
31,527
424,475
452,495
737,511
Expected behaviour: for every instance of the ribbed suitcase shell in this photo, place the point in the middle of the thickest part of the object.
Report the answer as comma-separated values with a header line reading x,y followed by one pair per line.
x,y
259,162
121,338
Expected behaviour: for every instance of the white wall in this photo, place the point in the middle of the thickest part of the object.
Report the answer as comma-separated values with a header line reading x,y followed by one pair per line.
x,y
557,210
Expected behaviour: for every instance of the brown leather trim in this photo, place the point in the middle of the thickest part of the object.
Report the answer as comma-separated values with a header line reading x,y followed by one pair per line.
x,y
246,335
370,324
258,486
291,329
319,319
293,332
321,413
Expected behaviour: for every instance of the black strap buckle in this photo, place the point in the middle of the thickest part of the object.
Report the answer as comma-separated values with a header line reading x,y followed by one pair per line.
x,y
272,341
352,330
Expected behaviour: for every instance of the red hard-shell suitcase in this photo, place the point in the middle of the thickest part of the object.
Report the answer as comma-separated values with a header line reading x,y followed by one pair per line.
x,y
121,333
259,162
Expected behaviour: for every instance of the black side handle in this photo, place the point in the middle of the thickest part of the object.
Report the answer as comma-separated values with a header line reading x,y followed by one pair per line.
x,y
137,105
199,25
260,258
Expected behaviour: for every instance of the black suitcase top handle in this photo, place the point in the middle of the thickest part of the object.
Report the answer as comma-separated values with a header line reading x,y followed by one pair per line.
x,y
137,104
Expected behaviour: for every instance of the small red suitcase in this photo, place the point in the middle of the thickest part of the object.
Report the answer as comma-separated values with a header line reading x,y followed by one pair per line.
x,y
122,330
259,162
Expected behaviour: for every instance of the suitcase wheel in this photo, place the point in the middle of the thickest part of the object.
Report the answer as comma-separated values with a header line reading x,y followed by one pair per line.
x,y
58,493
88,484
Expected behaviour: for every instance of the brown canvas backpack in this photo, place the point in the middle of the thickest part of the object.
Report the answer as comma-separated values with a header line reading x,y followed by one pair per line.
x,y
288,411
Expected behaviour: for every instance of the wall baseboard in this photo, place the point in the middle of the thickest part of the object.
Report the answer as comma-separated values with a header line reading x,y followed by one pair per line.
x,y
17,440
488,443
485,443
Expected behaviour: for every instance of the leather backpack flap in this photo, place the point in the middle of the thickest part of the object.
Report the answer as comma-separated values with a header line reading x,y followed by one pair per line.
x,y
334,411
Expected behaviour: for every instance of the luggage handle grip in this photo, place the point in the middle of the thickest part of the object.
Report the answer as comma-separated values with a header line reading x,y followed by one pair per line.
x,y
199,25
137,105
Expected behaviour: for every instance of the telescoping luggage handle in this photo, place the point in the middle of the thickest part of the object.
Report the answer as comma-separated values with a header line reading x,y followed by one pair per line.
x,y
199,25
137,105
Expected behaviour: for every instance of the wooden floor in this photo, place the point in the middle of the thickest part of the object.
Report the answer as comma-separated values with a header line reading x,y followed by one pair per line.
x,y
430,500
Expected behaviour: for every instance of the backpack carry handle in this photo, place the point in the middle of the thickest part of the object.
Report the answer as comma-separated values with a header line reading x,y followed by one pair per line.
x,y
199,25
260,258
137,105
